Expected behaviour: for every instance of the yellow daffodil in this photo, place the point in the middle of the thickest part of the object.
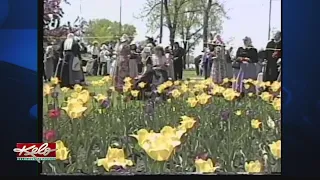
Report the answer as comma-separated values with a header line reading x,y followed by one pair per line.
x,y
247,86
115,157
253,167
101,83
255,123
84,96
250,94
247,81
277,104
62,153
270,123
142,85
229,94
74,95
54,80
74,108
127,80
203,98
100,97
266,96
112,88
203,166
187,122
275,149
238,112
200,87
174,133
47,89
226,80
134,93
169,100
192,101
77,88
65,89
175,93
275,86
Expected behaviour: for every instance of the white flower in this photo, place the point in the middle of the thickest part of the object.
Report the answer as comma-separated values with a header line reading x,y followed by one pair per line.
x,y
270,123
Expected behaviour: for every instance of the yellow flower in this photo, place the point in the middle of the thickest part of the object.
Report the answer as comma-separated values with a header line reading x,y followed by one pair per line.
x,y
74,95
238,112
54,80
200,87
62,153
114,157
159,147
65,89
134,93
112,88
275,149
247,81
173,133
175,93
142,85
255,123
270,123
187,122
250,94
246,86
225,80
77,88
168,83
184,88
100,97
192,101
126,89
176,83
169,100
217,90
127,80
266,96
47,89
275,86
203,98
84,96
229,94
74,108
106,79
161,88
253,166
100,83
277,104
203,166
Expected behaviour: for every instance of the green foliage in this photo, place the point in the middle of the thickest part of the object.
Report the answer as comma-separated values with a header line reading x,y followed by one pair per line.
x,y
107,30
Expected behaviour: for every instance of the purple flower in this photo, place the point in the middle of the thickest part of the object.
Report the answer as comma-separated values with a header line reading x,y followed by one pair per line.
x,y
106,103
225,115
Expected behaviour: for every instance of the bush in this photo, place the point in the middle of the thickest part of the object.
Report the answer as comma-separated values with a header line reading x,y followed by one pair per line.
x,y
189,127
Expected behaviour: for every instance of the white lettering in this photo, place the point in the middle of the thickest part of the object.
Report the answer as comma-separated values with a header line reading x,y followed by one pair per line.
x,y
33,150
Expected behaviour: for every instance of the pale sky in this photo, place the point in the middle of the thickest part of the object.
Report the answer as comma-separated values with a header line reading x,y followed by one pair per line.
x,y
247,18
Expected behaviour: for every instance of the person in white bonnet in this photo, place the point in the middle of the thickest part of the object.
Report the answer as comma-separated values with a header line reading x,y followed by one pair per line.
x,y
69,71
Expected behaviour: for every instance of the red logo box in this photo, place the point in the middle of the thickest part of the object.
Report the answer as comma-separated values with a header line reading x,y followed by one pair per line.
x,y
35,151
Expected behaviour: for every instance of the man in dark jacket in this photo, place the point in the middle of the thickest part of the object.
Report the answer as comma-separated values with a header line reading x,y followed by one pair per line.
x,y
272,55
178,54
197,61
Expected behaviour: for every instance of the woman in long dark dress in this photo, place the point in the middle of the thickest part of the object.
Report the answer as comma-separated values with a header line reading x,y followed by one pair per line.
x,y
246,57
71,72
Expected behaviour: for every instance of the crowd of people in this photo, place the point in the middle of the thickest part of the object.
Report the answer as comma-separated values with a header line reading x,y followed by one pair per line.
x,y
154,63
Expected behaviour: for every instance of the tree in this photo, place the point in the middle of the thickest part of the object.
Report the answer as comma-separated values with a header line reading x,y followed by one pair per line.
x,y
107,30
51,21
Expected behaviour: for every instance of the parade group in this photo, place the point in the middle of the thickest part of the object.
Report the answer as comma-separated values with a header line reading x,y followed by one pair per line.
x,y
154,63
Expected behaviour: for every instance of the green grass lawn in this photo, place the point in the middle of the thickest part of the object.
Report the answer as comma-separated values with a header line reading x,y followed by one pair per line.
x,y
191,74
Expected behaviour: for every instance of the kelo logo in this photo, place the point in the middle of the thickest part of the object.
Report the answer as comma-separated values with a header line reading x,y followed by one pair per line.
x,y
35,151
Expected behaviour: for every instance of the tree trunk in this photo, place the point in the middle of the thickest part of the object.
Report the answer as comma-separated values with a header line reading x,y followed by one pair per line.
x,y
206,23
185,55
